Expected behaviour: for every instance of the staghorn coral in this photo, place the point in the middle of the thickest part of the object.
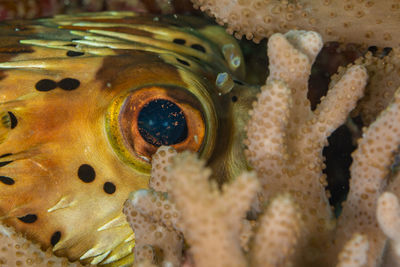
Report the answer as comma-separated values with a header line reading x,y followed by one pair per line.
x,y
285,139
340,20
211,220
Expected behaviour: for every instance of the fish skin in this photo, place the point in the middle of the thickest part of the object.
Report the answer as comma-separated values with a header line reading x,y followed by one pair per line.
x,y
59,78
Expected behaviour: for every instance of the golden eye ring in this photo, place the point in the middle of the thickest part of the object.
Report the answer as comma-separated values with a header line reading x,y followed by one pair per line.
x,y
127,136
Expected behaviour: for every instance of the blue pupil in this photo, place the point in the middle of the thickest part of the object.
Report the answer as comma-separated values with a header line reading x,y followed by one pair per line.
x,y
161,122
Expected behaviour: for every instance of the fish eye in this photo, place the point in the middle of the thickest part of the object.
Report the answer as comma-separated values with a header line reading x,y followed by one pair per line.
x,y
141,120
162,122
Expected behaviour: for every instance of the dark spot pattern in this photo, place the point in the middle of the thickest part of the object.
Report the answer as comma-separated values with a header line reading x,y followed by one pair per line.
x,y
45,85
4,163
7,180
234,98
74,53
29,218
198,47
55,238
184,62
13,120
179,41
86,173
69,84
109,188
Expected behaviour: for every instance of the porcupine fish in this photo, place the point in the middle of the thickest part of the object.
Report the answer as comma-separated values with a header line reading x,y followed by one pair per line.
x,y
87,99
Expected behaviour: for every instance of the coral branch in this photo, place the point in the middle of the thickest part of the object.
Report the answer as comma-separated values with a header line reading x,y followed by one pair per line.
x,y
354,253
286,138
388,214
160,178
211,220
154,218
278,234
338,20
151,235
339,101
371,164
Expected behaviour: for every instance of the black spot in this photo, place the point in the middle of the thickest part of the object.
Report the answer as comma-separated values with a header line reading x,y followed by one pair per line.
x,y
4,163
55,238
109,187
198,47
13,120
29,218
162,122
86,173
69,84
7,180
179,41
184,62
234,98
45,85
74,54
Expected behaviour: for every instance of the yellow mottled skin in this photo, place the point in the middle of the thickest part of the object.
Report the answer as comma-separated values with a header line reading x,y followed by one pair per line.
x,y
67,164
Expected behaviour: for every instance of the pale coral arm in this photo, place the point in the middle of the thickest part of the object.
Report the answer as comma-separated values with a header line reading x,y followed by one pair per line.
x,y
278,234
340,100
157,206
152,235
371,164
209,219
15,250
266,130
354,253
336,20
388,215
290,58
161,160
153,217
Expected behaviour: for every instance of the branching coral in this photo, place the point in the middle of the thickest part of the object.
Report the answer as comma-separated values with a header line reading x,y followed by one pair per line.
x,y
213,221
285,138
335,20
285,141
